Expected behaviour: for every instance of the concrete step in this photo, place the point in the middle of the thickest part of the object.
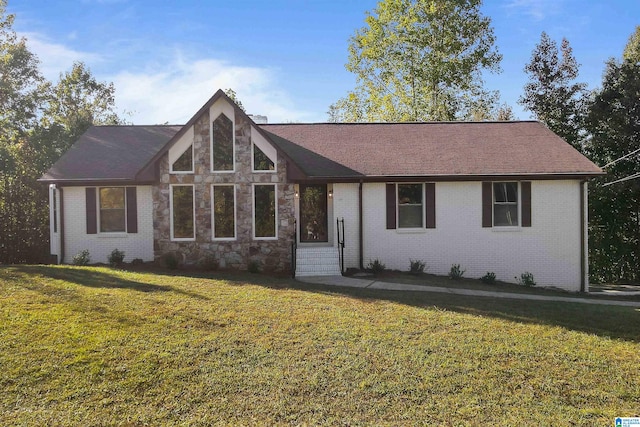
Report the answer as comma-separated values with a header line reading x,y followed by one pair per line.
x,y
317,262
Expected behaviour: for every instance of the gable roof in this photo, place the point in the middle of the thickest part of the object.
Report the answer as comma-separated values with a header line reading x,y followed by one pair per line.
x,y
110,153
342,151
438,149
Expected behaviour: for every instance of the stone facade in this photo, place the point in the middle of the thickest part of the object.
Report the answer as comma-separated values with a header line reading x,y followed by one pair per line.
x,y
271,255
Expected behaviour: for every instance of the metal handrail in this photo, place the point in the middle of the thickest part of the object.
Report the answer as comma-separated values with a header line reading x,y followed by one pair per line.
x,y
340,231
294,249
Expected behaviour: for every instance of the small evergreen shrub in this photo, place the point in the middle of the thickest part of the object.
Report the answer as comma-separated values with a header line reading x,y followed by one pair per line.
x,y
254,267
416,266
116,258
208,263
489,278
82,258
456,272
526,279
376,267
137,261
171,261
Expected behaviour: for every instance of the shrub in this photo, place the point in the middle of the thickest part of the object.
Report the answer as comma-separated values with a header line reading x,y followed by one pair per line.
x,y
376,267
254,267
82,258
115,258
526,279
171,261
456,272
416,266
489,278
137,261
208,263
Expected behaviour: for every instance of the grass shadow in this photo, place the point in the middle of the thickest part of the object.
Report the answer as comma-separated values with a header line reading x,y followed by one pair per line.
x,y
97,278
616,322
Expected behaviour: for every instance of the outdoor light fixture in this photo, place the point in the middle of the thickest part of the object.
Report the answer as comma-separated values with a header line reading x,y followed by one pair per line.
x,y
330,193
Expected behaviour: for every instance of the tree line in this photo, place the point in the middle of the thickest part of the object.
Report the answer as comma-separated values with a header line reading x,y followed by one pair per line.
x,y
414,60
39,120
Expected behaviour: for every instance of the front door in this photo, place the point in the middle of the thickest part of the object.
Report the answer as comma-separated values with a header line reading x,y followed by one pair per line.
x,y
313,214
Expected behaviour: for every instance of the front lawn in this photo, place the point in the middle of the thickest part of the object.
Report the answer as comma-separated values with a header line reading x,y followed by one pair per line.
x,y
95,346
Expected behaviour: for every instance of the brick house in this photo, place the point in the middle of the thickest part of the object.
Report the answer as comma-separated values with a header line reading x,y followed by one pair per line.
x,y
506,197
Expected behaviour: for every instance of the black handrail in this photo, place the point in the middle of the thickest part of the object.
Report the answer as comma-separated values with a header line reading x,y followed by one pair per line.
x,y
340,230
294,249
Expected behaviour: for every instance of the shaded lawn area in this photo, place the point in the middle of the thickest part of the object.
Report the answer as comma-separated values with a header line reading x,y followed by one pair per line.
x,y
95,346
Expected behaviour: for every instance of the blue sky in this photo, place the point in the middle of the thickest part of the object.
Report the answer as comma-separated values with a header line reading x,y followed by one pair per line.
x,y
284,58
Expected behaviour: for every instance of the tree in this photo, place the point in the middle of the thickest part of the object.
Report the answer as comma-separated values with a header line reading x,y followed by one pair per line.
x,y
419,60
552,94
632,50
234,97
613,122
38,122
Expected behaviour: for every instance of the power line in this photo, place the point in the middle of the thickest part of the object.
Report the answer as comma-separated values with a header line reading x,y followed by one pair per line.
x,y
623,157
630,177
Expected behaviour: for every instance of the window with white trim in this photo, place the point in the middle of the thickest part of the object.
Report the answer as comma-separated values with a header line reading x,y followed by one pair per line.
x,y
262,162
222,144
410,205
184,163
264,211
182,212
224,211
112,210
505,204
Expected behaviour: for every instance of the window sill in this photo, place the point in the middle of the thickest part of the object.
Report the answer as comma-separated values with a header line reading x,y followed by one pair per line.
x,y
265,238
261,171
224,239
231,171
116,235
190,239
411,230
181,172
501,228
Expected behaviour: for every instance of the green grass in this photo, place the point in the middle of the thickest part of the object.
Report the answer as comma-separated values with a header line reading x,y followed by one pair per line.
x,y
95,346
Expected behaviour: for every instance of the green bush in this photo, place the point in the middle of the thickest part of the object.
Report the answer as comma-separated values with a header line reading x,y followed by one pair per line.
x,y
416,266
254,267
116,258
489,278
208,263
171,261
526,279
456,272
376,267
82,258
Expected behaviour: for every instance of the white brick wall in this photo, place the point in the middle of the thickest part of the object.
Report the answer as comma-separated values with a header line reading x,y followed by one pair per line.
x,y
138,245
345,205
550,248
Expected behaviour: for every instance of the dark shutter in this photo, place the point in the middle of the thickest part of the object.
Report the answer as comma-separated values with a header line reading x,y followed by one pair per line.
x,y
526,203
487,204
430,205
92,218
391,206
132,210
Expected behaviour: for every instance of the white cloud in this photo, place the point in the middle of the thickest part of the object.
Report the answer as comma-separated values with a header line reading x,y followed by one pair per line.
x,y
537,9
173,92
56,58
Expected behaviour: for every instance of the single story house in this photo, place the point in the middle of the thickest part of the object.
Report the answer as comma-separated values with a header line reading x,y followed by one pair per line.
x,y
506,197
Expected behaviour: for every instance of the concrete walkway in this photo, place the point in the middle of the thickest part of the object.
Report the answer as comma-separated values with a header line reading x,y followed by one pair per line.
x,y
352,282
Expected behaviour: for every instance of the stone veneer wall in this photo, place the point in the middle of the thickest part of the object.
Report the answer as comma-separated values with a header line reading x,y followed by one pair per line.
x,y
272,255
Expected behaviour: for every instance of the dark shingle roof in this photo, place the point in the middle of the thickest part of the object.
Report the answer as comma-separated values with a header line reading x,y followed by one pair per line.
x,y
111,153
429,149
